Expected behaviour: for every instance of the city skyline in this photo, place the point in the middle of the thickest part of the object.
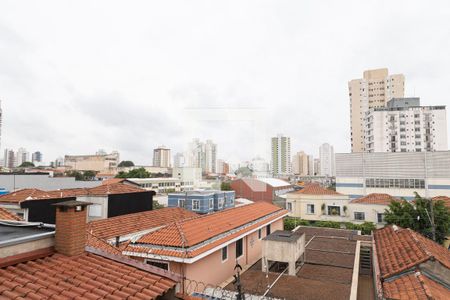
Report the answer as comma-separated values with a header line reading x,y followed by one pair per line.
x,y
188,76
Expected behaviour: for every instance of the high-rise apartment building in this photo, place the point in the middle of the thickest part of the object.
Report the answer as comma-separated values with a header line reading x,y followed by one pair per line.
x,y
317,166
327,160
36,158
202,155
22,156
302,164
161,157
374,90
178,160
281,155
9,159
405,126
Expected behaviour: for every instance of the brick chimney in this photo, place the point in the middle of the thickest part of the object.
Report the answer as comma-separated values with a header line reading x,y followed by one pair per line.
x,y
70,235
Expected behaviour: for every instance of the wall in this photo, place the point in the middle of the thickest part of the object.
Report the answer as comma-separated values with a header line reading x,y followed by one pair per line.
x,y
301,201
42,210
371,212
42,181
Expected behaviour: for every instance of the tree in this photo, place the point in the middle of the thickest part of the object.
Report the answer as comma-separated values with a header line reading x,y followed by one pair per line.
x,y
89,175
418,217
136,173
225,186
126,163
26,164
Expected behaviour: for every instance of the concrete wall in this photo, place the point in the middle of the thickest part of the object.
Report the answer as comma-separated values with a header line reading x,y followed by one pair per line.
x,y
27,247
370,211
42,182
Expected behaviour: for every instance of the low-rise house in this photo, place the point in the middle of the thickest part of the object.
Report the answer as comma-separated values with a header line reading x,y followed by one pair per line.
x,y
407,265
37,262
202,201
164,185
108,201
316,203
268,190
370,208
206,248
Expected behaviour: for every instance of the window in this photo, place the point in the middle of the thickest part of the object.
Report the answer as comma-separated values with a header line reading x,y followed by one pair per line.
x,y
259,234
360,216
181,203
289,206
158,264
310,209
211,203
380,218
239,248
334,210
224,253
268,229
195,205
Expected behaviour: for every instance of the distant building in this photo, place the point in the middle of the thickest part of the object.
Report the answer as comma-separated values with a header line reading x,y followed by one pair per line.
x,y
178,160
22,156
281,155
1,122
260,168
374,90
100,163
189,175
317,167
262,189
36,158
302,164
399,174
161,157
223,167
405,126
9,159
327,160
164,185
202,201
202,155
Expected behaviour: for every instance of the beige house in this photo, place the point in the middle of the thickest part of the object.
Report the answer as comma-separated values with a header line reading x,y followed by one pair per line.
x,y
370,208
316,203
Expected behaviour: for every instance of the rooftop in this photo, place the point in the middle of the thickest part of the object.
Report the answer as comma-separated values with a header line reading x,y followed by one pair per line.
x,y
326,274
5,215
274,182
282,236
445,199
191,237
379,199
14,232
137,222
316,189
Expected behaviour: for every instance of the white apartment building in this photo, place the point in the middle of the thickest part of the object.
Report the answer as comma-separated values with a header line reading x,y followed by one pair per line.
x,y
161,157
163,185
281,155
202,155
327,160
405,126
22,156
178,160
399,174
372,91
190,175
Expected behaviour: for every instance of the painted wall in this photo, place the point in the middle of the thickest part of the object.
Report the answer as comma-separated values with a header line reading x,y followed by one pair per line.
x,y
370,211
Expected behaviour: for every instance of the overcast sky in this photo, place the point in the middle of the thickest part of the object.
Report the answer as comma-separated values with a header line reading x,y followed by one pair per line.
x,y
76,76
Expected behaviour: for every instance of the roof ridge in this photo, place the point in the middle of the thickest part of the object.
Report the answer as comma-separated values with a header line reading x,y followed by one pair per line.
x,y
424,285
419,243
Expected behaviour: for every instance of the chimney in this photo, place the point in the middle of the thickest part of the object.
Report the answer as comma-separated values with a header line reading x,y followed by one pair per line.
x,y
70,235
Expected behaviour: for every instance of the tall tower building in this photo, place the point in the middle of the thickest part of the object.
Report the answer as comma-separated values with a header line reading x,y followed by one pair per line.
x,y
9,159
22,156
327,160
281,155
302,164
210,150
161,157
202,155
179,160
36,158
374,90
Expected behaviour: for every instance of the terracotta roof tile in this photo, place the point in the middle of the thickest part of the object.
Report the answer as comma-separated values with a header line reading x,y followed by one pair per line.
x,y
401,249
445,199
414,286
212,230
7,215
316,189
73,278
380,199
136,222
24,194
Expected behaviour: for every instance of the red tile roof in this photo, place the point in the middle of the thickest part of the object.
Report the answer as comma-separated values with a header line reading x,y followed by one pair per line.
x,y
113,180
316,189
222,226
101,190
401,249
86,276
7,215
380,199
445,199
414,286
136,222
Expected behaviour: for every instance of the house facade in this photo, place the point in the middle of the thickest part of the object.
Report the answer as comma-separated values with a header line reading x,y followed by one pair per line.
x,y
370,208
316,203
202,201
